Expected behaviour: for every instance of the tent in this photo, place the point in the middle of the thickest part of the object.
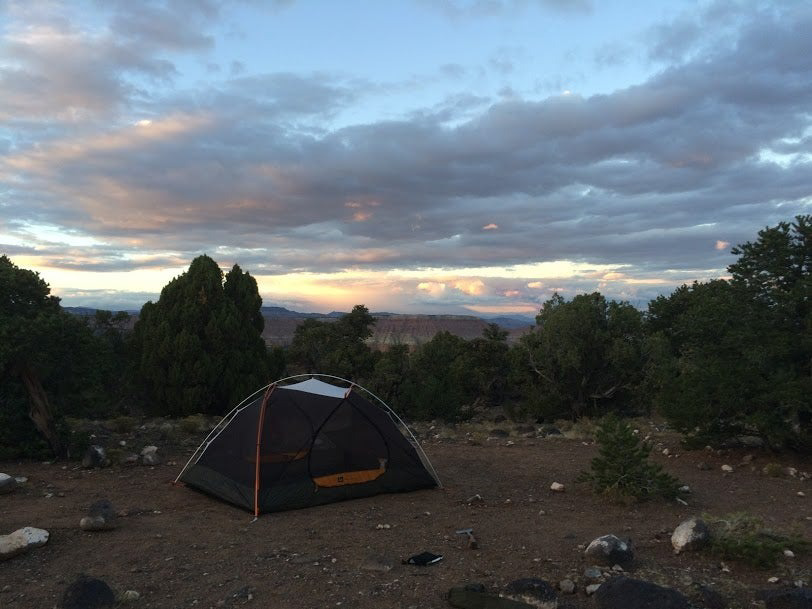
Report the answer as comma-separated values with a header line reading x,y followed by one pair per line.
x,y
301,442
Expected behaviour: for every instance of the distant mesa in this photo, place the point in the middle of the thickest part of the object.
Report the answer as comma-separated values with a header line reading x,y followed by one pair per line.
x,y
390,328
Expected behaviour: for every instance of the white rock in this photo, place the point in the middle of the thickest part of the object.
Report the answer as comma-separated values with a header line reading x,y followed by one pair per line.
x,y
773,580
789,553
727,468
11,545
801,494
33,536
21,540
592,589
557,487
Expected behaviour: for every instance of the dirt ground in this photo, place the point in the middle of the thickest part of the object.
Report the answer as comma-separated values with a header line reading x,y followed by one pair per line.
x,y
181,549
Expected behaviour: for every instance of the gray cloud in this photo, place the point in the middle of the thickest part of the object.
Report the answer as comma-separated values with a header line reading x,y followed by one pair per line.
x,y
651,176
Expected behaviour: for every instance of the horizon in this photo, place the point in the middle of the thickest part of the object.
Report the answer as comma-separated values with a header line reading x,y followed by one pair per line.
x,y
463,158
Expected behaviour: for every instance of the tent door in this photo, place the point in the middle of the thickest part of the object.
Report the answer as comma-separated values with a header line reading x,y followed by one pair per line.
x,y
347,450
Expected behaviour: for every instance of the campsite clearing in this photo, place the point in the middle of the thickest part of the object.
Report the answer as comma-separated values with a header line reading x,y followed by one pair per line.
x,y
179,548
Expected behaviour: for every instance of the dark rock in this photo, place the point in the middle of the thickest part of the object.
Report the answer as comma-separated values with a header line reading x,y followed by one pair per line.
x,y
787,598
626,593
535,592
692,534
710,598
87,593
101,517
95,456
474,597
7,483
609,550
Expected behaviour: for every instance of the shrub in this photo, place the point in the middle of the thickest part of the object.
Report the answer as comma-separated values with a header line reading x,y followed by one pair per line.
x,y
622,467
122,424
742,537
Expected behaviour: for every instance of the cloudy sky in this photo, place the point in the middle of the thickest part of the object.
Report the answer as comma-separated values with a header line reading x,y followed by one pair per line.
x,y
436,156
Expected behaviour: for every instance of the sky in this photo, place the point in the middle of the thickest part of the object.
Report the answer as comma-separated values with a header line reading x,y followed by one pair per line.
x,y
415,156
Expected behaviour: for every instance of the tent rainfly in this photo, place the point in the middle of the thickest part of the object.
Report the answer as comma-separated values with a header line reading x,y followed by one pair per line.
x,y
298,443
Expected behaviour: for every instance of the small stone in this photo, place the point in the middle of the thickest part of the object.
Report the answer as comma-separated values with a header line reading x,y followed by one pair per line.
x,y
592,573
130,596
150,456
666,452
691,534
685,489
557,487
789,553
773,580
592,589
567,586
727,468
383,527
801,494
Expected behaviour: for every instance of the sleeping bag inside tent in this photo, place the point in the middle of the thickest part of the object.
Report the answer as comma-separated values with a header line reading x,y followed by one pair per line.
x,y
306,443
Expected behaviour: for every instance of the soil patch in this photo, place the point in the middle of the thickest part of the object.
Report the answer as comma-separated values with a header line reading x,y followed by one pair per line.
x,y
179,548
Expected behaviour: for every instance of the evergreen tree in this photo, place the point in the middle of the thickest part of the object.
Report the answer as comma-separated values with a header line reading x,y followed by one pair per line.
x,y
335,347
48,364
735,357
622,467
200,348
584,358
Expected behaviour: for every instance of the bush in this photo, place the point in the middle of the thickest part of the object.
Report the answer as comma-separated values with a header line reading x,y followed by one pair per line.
x,y
742,537
622,467
122,424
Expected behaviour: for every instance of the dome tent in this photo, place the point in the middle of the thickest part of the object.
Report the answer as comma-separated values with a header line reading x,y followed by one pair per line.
x,y
301,441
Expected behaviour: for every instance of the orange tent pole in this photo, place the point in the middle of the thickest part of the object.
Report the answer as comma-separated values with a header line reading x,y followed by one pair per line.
x,y
265,398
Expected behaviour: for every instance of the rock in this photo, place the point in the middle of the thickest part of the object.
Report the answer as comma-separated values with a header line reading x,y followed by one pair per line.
x,y
21,540
691,534
592,589
532,591
474,596
626,593
557,487
567,586
609,550
87,593
786,598
130,596
592,573
12,545
101,517
150,456
33,536
7,484
710,598
95,456
727,468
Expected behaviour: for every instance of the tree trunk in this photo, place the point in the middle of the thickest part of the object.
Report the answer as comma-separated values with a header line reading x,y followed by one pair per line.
x,y
40,410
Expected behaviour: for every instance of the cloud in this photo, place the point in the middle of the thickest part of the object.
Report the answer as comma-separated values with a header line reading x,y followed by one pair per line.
x,y
639,180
